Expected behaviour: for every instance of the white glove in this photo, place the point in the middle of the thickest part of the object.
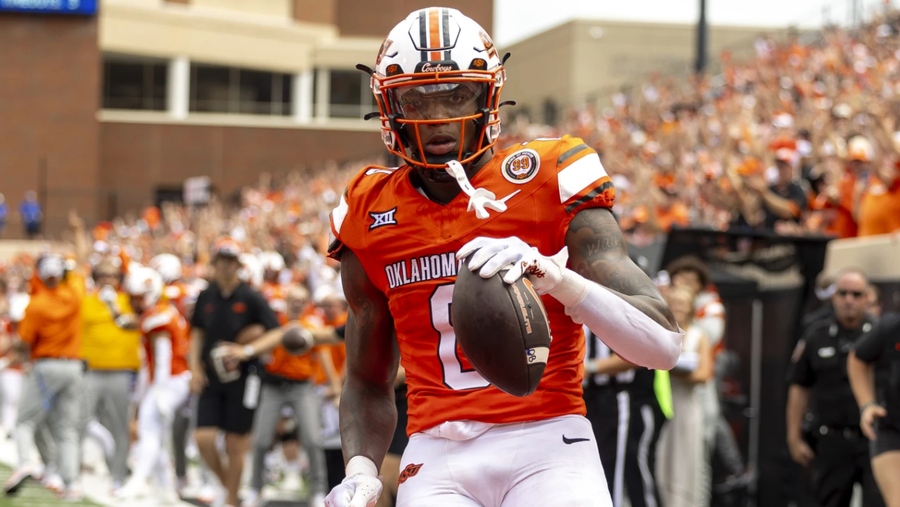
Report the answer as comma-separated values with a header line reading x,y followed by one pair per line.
x,y
361,488
108,295
493,254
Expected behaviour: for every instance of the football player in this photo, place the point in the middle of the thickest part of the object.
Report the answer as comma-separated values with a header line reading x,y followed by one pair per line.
x,y
165,334
400,233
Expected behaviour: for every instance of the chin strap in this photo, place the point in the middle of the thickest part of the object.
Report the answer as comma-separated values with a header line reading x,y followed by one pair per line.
x,y
479,199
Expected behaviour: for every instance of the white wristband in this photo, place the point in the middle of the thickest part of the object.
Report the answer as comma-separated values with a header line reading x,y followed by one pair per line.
x,y
361,465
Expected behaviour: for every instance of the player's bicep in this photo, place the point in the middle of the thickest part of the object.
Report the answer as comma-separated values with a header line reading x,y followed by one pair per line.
x,y
371,352
597,252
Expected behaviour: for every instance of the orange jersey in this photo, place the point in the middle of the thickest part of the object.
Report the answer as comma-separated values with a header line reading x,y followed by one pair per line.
x,y
276,296
283,364
337,351
164,318
408,243
52,322
6,331
181,295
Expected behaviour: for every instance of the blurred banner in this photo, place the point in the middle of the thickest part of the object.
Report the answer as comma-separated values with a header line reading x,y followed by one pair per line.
x,y
83,7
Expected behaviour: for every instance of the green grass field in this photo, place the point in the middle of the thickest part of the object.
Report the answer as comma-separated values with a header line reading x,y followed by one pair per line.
x,y
33,495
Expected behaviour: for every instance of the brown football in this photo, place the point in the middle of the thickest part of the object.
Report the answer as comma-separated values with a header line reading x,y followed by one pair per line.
x,y
502,329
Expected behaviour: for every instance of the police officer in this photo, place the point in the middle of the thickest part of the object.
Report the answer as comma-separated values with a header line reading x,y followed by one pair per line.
x,y
626,417
838,451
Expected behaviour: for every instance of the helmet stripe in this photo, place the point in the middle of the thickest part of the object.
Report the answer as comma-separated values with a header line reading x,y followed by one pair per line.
x,y
434,32
423,34
445,27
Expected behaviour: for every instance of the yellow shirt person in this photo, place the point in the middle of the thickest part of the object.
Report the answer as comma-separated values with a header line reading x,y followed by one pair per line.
x,y
104,345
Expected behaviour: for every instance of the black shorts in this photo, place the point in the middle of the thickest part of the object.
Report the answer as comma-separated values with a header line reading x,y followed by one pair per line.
x,y
222,406
398,444
887,438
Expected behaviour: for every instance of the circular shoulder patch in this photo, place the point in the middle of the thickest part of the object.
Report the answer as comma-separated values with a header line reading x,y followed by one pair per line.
x,y
522,166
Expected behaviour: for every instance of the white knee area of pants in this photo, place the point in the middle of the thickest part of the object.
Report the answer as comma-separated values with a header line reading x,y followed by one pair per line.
x,y
10,394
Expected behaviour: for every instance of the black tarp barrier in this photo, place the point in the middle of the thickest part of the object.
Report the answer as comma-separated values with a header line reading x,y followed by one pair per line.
x,y
766,282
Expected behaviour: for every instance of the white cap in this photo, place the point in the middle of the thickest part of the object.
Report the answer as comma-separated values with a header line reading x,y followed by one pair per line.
x,y
51,266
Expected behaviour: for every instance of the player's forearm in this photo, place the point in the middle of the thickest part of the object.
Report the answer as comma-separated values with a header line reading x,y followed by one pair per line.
x,y
861,379
267,342
368,417
798,401
612,365
196,350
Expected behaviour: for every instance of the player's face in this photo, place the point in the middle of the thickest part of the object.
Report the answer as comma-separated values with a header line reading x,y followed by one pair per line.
x,y
137,304
441,141
107,277
850,298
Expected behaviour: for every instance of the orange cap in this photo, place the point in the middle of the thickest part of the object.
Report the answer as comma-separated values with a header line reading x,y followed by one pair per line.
x,y
227,247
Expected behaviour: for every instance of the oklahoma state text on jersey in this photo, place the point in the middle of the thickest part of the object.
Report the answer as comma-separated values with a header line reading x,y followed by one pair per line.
x,y
408,243
165,318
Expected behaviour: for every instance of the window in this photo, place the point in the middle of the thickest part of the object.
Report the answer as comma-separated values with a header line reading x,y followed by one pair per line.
x,y
217,89
350,94
131,83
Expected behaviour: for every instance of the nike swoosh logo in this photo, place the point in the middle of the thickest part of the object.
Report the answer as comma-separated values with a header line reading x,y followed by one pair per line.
x,y
570,441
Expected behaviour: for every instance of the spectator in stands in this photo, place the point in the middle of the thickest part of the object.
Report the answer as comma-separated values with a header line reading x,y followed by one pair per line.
x,y
838,450
110,343
763,204
51,329
30,212
879,208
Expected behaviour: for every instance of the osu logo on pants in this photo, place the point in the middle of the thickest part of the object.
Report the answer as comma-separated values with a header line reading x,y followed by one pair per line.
x,y
410,471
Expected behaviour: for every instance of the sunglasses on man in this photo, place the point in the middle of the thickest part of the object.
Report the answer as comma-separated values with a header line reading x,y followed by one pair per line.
x,y
855,293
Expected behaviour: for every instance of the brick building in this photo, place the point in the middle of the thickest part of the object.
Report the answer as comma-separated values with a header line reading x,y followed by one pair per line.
x,y
111,111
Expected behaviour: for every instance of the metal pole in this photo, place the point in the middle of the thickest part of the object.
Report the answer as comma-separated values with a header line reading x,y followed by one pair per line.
x,y
756,325
700,63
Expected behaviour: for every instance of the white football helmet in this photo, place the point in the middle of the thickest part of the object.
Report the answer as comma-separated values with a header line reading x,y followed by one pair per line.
x,y
168,266
145,284
438,53
251,271
271,260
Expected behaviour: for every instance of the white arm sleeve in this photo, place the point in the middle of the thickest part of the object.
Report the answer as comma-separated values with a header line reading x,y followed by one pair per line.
x,y
632,335
162,359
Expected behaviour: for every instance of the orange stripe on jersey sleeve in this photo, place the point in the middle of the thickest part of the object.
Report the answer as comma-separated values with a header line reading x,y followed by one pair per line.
x,y
583,180
434,32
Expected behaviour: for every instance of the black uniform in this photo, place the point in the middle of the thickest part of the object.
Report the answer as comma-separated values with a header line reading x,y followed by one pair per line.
x,y
627,420
882,346
842,451
221,318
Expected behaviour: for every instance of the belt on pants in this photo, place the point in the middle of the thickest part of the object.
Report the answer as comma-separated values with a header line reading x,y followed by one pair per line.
x,y
849,433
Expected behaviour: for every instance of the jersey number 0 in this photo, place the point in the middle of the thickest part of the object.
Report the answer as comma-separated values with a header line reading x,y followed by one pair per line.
x,y
455,376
